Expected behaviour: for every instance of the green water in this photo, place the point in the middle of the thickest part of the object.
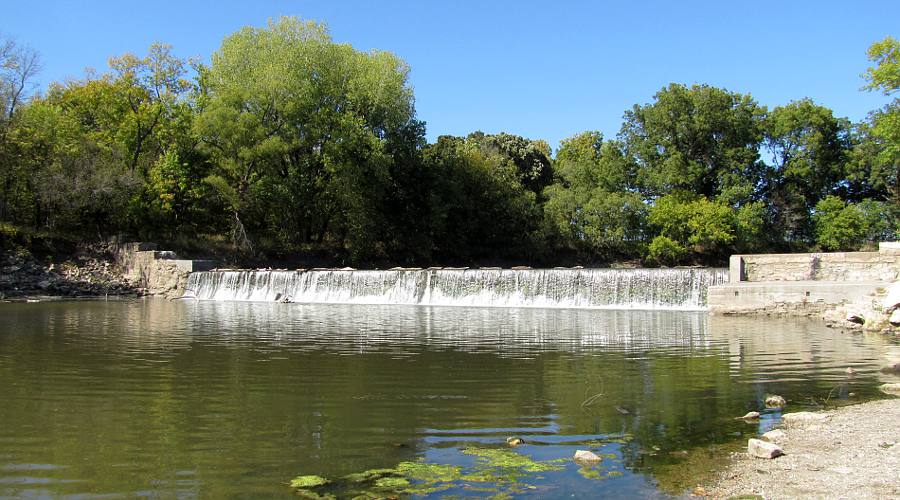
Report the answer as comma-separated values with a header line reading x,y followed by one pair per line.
x,y
184,399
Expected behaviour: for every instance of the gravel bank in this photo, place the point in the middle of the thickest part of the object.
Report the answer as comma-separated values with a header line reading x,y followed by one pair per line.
x,y
854,453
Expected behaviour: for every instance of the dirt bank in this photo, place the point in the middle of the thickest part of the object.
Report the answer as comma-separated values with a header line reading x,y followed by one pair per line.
x,y
853,453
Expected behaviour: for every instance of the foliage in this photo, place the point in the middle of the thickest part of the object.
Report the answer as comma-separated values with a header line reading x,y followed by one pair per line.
x,y
839,226
290,145
664,250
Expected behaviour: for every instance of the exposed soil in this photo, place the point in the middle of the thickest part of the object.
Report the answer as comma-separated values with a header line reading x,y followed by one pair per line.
x,y
855,453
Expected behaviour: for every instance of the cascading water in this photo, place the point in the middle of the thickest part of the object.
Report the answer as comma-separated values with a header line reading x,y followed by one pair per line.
x,y
581,288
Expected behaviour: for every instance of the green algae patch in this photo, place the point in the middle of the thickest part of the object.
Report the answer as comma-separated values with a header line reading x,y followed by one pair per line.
x,y
506,459
392,483
431,473
370,475
306,482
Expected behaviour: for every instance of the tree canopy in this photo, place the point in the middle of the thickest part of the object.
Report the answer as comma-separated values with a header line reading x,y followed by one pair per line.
x,y
288,145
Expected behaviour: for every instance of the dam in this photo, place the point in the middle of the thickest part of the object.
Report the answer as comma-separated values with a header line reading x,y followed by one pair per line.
x,y
667,289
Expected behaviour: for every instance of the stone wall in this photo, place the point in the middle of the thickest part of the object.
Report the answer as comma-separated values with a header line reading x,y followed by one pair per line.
x,y
157,272
883,265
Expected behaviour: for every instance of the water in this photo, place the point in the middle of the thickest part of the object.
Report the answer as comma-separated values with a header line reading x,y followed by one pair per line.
x,y
683,289
233,399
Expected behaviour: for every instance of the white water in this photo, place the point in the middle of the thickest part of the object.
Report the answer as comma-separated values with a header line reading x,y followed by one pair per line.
x,y
683,289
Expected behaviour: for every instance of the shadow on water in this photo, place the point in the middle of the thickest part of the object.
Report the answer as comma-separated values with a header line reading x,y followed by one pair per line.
x,y
235,399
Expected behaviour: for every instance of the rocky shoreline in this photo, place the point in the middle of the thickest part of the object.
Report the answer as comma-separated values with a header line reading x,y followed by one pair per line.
x,y
849,452
91,272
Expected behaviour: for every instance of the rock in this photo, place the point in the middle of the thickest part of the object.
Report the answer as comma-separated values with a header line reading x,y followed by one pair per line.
x,y
775,402
585,456
753,415
891,368
894,318
804,418
763,449
514,441
855,318
776,436
892,299
890,389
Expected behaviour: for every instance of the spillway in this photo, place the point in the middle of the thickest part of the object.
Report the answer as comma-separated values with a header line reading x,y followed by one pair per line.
x,y
678,289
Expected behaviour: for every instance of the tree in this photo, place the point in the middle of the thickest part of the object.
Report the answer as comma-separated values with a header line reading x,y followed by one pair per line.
x,y
838,225
809,148
298,128
18,67
880,161
594,205
697,139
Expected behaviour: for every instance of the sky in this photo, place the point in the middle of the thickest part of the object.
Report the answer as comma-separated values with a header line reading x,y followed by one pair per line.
x,y
543,70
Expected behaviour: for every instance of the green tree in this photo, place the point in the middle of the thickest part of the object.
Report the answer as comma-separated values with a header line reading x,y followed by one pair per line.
x,y
699,139
593,205
809,148
838,225
298,128
880,160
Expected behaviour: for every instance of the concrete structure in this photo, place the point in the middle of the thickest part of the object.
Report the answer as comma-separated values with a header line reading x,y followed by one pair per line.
x,y
158,272
807,284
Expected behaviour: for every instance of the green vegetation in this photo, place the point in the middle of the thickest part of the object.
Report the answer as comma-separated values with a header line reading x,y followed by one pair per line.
x,y
498,471
289,145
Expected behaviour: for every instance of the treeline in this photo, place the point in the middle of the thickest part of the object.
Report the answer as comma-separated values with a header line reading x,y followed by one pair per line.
x,y
290,144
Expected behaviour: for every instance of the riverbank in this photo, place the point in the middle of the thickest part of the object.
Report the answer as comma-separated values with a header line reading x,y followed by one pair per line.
x,y
90,271
851,452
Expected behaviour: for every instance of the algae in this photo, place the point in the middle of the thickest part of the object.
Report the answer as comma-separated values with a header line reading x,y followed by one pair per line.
x,y
308,482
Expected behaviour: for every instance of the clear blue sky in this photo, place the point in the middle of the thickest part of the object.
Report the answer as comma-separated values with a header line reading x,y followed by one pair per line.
x,y
539,69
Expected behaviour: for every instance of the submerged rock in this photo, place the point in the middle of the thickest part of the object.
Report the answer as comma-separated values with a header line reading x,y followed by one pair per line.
x,y
763,449
891,368
890,389
775,402
586,456
514,441
751,415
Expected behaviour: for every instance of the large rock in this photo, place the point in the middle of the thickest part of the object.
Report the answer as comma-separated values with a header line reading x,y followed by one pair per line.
x,y
804,418
894,318
775,402
776,436
586,456
892,299
763,449
890,389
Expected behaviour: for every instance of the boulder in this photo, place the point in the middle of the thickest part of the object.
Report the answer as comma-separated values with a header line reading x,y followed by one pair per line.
x,y
775,402
585,456
804,418
776,436
855,318
891,368
892,299
763,449
890,389
894,318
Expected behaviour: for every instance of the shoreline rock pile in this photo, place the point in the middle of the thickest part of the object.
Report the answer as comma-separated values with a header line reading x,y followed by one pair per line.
x,y
90,273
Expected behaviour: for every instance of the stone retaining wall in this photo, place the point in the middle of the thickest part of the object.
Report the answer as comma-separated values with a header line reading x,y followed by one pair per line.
x,y
883,265
157,272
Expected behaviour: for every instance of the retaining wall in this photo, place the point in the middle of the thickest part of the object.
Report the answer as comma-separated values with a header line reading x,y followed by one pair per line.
x,y
158,272
807,284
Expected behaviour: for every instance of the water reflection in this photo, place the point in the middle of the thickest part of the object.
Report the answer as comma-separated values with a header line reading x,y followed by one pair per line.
x,y
232,399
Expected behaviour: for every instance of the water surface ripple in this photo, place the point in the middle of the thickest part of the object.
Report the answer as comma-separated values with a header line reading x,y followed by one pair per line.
x,y
223,399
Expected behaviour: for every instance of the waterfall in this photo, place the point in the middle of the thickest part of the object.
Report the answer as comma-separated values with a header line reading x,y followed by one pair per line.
x,y
567,288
